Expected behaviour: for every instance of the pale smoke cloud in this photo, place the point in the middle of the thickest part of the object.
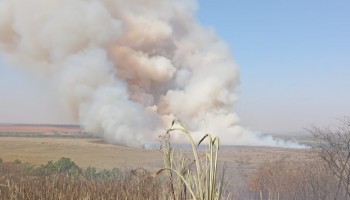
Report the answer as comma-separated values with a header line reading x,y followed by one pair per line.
x,y
126,69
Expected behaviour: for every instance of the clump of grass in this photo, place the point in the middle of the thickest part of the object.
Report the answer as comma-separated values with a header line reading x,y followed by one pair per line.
x,y
195,178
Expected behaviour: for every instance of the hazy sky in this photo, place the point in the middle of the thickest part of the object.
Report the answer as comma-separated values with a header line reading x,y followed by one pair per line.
x,y
293,57
28,98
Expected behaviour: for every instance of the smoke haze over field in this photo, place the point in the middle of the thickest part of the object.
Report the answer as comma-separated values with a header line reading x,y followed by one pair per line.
x,y
126,69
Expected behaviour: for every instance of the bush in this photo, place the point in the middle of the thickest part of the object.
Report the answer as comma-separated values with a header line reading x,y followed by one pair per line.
x,y
17,161
62,166
92,174
332,145
65,165
292,180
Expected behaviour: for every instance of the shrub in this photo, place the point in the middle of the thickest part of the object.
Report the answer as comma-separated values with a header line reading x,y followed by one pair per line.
x,y
65,165
90,173
17,161
61,166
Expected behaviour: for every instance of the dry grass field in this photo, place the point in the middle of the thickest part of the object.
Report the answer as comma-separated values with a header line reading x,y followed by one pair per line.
x,y
240,162
95,152
40,128
85,152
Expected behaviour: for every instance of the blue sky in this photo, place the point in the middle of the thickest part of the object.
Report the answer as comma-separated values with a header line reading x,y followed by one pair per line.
x,y
293,57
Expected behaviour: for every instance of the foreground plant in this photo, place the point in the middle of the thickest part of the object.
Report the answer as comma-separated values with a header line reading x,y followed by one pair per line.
x,y
197,176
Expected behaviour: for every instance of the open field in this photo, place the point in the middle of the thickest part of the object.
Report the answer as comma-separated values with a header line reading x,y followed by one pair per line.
x,y
85,152
94,152
45,146
43,130
240,162
40,128
250,172
38,144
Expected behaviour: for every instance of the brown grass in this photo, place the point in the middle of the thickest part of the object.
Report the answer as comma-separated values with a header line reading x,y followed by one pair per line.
x,y
240,162
40,128
17,183
92,152
85,152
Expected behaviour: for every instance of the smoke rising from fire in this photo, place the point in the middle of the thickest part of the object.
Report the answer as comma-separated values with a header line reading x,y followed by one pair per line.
x,y
126,69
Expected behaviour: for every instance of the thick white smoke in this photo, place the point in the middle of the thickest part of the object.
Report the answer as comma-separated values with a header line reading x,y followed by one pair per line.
x,y
126,69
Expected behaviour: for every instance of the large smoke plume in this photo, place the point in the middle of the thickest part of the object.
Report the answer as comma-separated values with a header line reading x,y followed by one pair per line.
x,y
126,69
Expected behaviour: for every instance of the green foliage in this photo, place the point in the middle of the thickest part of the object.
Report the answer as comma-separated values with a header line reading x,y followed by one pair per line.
x,y
62,166
17,161
92,174
49,168
65,165
104,174
29,166
68,167
1,161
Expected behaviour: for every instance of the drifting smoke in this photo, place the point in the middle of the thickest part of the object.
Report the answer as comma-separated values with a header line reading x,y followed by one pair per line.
x,y
126,69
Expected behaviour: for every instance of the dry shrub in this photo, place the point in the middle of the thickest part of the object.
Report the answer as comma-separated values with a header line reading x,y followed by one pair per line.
x,y
134,184
293,180
332,145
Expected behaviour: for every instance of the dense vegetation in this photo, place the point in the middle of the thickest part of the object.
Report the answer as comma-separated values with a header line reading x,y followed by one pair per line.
x,y
63,179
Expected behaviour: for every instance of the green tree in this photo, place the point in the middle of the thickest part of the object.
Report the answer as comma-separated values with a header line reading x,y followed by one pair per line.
x,y
90,173
65,165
